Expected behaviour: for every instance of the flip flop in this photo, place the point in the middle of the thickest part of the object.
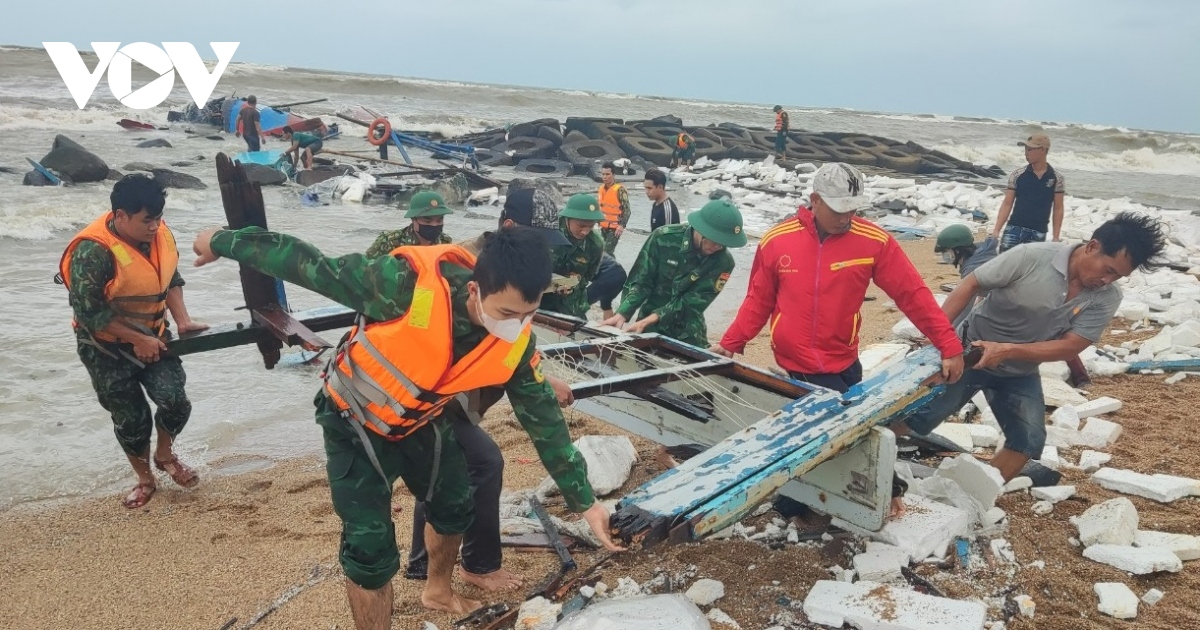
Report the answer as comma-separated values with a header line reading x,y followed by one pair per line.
x,y
178,471
140,495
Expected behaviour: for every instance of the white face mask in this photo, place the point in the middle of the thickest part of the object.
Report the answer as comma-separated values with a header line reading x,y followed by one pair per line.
x,y
508,330
948,257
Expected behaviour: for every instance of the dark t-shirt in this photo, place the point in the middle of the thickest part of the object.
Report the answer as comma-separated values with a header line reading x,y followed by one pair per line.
x,y
249,115
1034,197
665,213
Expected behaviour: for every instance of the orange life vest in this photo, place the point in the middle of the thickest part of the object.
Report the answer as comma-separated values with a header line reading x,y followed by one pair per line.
x,y
779,120
683,140
138,291
610,205
394,376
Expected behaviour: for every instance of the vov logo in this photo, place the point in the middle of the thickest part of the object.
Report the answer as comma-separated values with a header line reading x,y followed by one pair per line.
x,y
118,60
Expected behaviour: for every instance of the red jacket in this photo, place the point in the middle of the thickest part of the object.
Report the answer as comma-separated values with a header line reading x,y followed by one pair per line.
x,y
812,293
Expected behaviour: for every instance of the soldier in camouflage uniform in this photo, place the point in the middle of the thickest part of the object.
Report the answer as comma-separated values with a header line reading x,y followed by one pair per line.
x,y
679,272
427,211
382,289
580,259
126,360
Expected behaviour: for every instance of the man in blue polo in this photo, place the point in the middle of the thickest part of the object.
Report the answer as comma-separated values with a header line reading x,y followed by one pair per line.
x,y
1034,191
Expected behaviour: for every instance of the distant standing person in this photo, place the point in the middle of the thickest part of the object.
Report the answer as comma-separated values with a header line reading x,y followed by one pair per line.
x,y
1033,191
428,213
304,146
614,203
685,150
122,277
249,124
664,211
781,131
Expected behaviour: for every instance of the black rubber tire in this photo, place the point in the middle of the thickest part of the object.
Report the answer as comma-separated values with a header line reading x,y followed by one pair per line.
x,y
806,153
929,163
654,151
703,132
488,157
669,118
531,128
581,155
951,159
574,136
765,139
581,124
730,135
527,148
639,172
550,133
545,168
898,161
611,131
866,144
708,148
660,132
812,140
746,152
850,155
487,142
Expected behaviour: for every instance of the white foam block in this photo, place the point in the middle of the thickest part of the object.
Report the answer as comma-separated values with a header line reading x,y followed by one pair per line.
x,y
1016,484
870,606
983,436
1135,560
1113,522
1060,394
1116,600
1050,458
1100,406
1152,596
986,416
1053,494
926,528
1161,488
1091,461
880,562
705,592
1065,417
956,432
1099,433
980,480
1182,545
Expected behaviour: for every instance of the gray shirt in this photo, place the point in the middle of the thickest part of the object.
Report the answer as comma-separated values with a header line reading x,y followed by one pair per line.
x,y
1026,291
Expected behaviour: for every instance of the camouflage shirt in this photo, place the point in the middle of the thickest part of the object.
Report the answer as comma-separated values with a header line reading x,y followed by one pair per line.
x,y
675,280
580,258
387,241
381,289
91,270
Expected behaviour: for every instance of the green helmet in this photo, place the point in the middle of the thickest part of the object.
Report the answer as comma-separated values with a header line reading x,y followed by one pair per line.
x,y
426,204
720,222
583,207
957,235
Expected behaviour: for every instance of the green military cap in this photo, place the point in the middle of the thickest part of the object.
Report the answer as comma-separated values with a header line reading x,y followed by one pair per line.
x,y
957,235
720,222
583,207
426,204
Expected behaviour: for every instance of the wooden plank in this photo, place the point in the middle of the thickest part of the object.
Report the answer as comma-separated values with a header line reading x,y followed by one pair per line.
x,y
242,333
718,487
1166,366
288,330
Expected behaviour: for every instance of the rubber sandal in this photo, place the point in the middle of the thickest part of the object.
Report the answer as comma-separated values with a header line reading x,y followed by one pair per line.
x,y
179,472
141,493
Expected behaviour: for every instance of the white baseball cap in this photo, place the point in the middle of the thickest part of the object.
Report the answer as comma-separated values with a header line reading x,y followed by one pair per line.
x,y
841,187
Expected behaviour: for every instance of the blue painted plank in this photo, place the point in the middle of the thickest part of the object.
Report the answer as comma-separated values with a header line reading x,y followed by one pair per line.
x,y
1166,366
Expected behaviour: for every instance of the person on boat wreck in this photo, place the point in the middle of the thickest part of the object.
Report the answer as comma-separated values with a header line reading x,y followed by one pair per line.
x,y
580,259
249,124
122,279
304,146
428,212
1043,302
614,203
436,323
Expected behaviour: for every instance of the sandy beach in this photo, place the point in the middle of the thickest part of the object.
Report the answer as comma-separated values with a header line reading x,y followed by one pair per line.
x,y
219,556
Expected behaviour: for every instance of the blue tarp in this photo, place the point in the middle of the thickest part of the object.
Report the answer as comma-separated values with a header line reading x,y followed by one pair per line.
x,y
269,117
270,158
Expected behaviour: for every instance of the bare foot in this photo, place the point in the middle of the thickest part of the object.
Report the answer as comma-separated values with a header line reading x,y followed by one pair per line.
x,y
897,508
455,603
498,580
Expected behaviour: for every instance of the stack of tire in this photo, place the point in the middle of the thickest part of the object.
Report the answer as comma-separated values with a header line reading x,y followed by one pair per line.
x,y
531,147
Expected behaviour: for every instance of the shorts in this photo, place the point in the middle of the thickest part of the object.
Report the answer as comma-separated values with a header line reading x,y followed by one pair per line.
x,y
1017,401
314,147
1014,235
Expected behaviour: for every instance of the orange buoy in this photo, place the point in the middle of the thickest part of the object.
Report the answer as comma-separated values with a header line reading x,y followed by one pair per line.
x,y
387,132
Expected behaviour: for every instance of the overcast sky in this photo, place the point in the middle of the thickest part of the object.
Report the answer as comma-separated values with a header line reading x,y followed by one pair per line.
x,y
1130,63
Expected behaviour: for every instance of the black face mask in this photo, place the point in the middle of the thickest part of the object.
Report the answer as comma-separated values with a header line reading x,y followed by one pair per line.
x,y
430,233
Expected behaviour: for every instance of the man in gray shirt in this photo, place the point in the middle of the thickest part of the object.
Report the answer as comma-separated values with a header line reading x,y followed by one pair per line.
x,y
1044,302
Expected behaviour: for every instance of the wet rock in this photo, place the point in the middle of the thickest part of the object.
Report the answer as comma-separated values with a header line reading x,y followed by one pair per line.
x,y
139,166
114,175
183,163
71,159
264,175
175,179
34,178
156,143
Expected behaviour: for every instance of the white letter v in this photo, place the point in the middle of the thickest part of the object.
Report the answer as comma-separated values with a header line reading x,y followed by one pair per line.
x,y
75,74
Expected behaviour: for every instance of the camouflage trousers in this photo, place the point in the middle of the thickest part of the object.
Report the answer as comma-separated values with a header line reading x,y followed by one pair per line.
x,y
610,239
433,467
122,388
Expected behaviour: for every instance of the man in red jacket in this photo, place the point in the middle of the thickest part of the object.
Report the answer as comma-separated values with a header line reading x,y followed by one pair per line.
x,y
810,278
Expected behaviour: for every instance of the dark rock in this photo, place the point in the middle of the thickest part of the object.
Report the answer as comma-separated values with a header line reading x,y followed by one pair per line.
x,y
183,163
175,179
10,170
139,166
71,159
216,137
155,143
894,205
321,173
264,175
114,175
674,120
199,158
34,178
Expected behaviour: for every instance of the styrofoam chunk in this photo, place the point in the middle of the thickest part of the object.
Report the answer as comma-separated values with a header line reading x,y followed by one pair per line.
x,y
1182,545
1055,369
705,592
1099,433
1065,417
1042,508
1053,494
1091,461
986,417
1003,549
978,479
881,562
957,433
1017,484
1161,488
1135,560
983,436
993,516
1050,458
1097,407
1060,394
926,528
866,605
1152,596
1026,605
1113,522
1116,600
